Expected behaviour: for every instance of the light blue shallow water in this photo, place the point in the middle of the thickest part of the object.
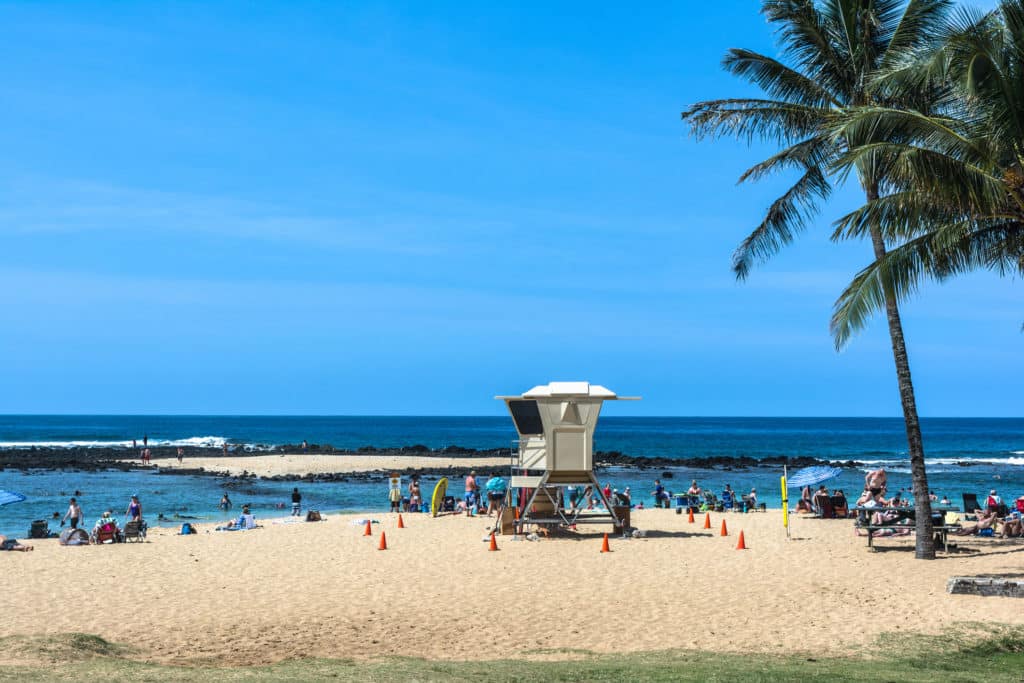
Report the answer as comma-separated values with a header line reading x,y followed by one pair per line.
x,y
994,446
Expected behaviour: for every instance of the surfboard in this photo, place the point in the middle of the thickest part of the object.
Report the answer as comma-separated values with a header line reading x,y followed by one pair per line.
x,y
438,498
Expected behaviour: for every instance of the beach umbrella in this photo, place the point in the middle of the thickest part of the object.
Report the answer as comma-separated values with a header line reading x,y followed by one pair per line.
x,y
7,497
809,476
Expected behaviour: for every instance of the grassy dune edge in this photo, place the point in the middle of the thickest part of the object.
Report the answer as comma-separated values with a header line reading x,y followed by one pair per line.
x,y
955,657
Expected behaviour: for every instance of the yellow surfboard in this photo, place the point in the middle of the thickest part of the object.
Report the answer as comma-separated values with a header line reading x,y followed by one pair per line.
x,y
438,498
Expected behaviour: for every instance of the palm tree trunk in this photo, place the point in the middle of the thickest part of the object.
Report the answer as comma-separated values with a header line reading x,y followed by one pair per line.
x,y
925,544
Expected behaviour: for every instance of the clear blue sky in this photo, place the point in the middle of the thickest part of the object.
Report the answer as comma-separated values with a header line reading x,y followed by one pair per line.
x,y
376,208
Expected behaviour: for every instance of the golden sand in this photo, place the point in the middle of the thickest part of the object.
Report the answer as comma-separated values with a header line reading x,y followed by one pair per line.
x,y
323,589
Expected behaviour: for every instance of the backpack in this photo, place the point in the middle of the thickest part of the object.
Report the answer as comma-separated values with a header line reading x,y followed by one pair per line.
x,y
313,516
187,529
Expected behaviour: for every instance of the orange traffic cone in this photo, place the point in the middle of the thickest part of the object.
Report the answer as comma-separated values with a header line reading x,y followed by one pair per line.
x,y
707,520
690,518
401,524
741,545
383,542
725,532
494,543
604,545
369,529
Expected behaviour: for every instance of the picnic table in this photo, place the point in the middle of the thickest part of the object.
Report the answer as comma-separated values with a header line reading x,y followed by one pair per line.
x,y
903,513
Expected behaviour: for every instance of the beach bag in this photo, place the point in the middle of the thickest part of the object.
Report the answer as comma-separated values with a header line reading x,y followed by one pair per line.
x,y
313,516
187,529
40,529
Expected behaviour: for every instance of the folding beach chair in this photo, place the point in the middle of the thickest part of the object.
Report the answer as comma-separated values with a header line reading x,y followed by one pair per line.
x,y
134,531
971,504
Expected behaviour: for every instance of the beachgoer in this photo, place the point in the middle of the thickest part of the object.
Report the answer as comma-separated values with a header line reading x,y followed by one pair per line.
x,y
135,444
728,497
805,495
246,520
181,454
993,501
1013,526
471,489
495,487
14,544
1020,504
607,491
225,447
225,502
752,499
296,501
574,496
945,500
694,490
145,440
932,497
134,511
875,481
986,520
146,455
660,496
395,496
74,514
305,446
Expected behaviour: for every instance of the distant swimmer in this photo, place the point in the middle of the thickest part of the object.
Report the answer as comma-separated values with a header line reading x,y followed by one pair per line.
x,y
145,440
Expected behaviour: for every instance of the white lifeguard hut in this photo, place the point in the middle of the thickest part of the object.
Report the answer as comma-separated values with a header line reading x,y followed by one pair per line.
x,y
555,450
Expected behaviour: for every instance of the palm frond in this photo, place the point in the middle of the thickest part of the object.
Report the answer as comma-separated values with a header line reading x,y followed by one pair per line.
x,y
787,216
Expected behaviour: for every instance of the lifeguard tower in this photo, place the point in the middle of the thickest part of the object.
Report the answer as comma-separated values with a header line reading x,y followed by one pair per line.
x,y
555,450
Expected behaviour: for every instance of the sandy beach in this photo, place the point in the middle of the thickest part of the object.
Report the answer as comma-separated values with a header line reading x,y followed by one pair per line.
x,y
301,464
323,589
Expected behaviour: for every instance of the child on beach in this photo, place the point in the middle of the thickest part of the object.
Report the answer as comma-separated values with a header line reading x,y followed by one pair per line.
x,y
395,496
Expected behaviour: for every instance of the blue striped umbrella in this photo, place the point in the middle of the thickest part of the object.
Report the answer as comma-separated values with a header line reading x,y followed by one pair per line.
x,y
809,476
10,497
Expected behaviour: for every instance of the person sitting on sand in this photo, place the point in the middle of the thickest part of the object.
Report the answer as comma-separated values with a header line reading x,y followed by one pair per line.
x,y
986,520
694,490
752,500
14,544
1013,525
993,501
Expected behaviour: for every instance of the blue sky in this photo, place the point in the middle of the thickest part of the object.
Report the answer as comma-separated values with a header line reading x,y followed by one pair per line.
x,y
407,208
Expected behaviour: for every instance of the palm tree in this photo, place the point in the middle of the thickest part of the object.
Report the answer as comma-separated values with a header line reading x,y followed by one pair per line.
x,y
956,199
831,53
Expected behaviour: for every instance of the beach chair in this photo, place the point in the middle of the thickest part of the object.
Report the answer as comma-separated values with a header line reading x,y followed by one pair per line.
x,y
971,504
135,531
108,533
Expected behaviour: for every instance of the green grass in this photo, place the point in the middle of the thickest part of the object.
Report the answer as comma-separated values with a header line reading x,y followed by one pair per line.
x,y
953,658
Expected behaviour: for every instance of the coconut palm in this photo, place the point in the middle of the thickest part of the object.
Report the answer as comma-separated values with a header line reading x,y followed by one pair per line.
x,y
956,189
831,51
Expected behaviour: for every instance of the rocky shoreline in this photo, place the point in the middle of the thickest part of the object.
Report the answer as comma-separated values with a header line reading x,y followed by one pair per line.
x,y
124,459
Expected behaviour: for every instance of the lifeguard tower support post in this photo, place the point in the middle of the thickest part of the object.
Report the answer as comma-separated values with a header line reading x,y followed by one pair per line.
x,y
555,449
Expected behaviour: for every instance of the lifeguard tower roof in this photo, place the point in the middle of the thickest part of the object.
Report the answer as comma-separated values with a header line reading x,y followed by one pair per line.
x,y
571,390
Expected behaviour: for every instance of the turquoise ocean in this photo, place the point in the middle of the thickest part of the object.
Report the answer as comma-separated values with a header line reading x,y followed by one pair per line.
x,y
964,455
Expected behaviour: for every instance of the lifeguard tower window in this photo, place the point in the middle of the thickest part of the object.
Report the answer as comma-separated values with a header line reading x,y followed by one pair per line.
x,y
526,415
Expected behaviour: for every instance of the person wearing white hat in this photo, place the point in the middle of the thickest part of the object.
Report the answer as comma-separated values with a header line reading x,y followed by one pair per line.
x,y
994,501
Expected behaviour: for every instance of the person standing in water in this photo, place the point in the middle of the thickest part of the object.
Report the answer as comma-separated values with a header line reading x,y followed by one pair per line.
x,y
145,440
296,501
181,454
225,502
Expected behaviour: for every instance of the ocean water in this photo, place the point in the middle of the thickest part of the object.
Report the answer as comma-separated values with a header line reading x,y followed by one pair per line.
x,y
964,455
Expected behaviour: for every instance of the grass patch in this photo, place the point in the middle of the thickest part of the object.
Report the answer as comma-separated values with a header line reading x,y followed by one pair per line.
x,y
956,657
